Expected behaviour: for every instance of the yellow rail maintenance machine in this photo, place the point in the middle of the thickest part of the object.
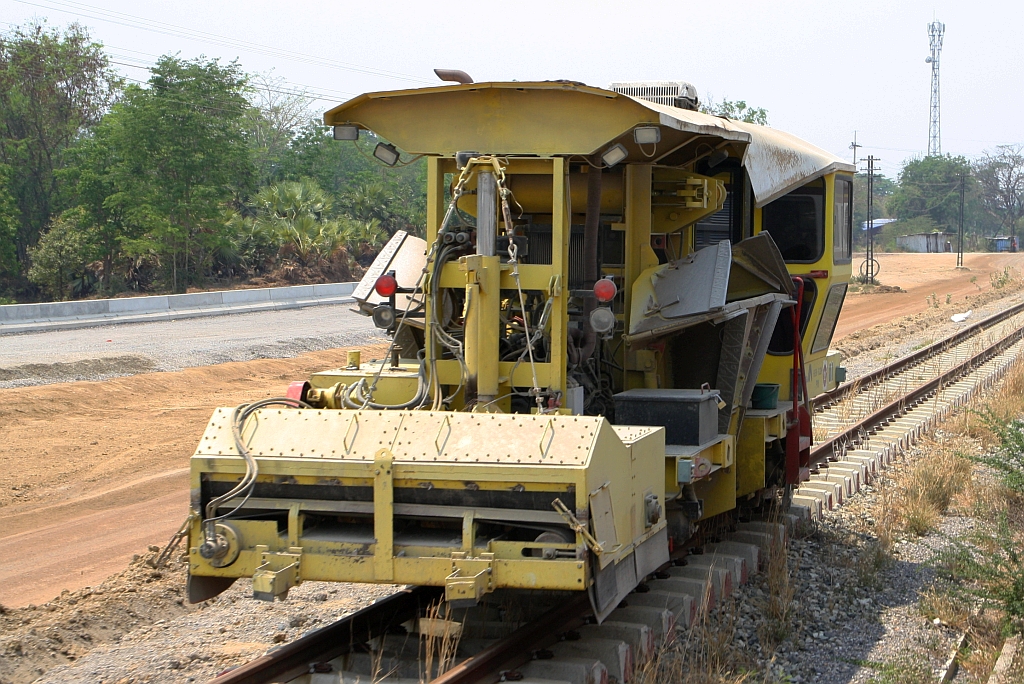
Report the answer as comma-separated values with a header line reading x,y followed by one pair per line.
x,y
606,278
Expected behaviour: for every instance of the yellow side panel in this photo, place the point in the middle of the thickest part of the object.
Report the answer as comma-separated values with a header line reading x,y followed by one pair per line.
x,y
718,491
750,457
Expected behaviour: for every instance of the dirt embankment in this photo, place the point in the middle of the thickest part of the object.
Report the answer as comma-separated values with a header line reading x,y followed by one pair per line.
x,y
93,472
923,279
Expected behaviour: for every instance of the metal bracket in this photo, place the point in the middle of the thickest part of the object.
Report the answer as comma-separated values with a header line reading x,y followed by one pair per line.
x,y
383,516
277,573
581,529
471,578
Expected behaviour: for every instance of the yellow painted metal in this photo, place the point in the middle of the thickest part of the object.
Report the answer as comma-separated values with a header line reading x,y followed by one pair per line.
x,y
381,448
394,386
750,467
483,300
470,579
277,573
777,369
638,240
560,230
383,516
681,198
507,118
533,192
718,491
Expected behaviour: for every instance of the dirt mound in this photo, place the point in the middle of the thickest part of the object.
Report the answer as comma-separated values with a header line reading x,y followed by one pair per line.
x,y
35,639
127,364
875,289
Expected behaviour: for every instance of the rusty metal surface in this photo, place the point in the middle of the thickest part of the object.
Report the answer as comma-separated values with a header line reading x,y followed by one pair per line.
x,y
516,649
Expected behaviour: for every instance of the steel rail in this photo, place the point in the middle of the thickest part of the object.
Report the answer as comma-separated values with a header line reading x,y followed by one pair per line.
x,y
517,648
840,392
337,638
853,434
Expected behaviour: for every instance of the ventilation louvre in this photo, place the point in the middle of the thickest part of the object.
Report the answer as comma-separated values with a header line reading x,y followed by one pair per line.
x,y
672,93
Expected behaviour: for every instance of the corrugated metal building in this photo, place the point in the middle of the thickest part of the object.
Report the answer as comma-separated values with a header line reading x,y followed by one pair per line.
x,y
927,242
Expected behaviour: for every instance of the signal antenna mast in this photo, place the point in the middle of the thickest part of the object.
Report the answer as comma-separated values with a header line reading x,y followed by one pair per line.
x,y
935,31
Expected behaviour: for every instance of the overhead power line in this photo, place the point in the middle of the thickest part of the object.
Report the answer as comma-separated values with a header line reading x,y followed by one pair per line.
x,y
132,21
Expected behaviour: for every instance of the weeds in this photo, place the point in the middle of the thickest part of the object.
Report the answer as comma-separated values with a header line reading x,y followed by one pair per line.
x,y
778,605
440,640
1008,462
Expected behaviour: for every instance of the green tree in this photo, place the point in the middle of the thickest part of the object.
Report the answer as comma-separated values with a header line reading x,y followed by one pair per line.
x,y
737,110
53,85
182,157
297,213
93,186
60,255
931,187
8,229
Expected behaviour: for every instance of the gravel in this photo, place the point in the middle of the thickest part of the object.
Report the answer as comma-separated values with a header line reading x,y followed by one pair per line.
x,y
119,350
137,627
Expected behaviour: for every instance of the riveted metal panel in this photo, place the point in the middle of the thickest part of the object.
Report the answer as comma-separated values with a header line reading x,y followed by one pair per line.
x,y
412,436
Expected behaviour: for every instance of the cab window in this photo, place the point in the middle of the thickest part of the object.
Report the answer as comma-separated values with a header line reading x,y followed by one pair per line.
x,y
797,223
842,224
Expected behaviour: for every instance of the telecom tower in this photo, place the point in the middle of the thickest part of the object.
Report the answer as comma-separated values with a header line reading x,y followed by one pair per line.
x,y
935,31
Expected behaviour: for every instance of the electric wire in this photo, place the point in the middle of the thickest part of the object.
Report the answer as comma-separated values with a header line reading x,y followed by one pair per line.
x,y
239,417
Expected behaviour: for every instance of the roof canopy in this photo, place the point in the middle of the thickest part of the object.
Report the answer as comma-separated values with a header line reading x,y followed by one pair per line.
x,y
559,118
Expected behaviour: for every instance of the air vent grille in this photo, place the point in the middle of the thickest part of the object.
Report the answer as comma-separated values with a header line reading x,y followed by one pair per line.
x,y
672,93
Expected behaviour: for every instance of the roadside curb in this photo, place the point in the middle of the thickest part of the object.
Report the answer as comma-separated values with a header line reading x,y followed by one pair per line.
x,y
26,318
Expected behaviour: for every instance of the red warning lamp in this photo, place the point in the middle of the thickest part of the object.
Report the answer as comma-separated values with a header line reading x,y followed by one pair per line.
x,y
605,290
386,285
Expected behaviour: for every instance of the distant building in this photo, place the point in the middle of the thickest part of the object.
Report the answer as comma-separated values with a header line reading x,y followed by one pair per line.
x,y
1002,243
927,242
876,224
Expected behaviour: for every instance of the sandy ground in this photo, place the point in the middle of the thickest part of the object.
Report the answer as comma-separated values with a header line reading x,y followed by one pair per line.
x,y
93,472
921,275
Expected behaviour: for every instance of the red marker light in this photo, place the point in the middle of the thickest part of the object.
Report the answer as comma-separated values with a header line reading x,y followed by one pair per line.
x,y
605,290
386,285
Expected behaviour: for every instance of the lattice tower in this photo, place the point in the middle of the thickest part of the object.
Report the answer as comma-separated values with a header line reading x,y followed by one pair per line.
x,y
935,32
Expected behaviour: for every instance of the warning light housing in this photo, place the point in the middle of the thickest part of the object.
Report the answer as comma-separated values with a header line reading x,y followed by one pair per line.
x,y
605,290
386,285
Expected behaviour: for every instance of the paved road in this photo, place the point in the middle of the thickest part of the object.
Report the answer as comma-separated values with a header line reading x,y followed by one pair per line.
x,y
118,350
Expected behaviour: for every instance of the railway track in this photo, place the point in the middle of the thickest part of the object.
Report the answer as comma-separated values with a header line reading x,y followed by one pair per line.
x,y
861,427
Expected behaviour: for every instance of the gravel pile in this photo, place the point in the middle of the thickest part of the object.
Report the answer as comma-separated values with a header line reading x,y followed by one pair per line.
x,y
138,627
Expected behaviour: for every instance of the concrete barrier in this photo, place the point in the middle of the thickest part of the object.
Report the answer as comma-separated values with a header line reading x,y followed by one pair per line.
x,y
16,318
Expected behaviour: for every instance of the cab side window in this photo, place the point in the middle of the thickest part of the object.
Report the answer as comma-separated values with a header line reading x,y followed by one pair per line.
x,y
842,221
797,223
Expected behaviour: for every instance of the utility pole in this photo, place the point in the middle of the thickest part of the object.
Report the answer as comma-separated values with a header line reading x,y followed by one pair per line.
x,y
854,146
935,32
960,248
869,269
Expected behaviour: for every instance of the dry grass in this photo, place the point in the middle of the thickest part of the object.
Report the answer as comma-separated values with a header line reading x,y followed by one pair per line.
x,y
984,629
709,654
778,605
440,644
1007,402
934,480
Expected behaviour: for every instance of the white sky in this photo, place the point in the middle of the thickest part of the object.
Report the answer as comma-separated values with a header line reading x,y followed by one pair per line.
x,y
821,69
